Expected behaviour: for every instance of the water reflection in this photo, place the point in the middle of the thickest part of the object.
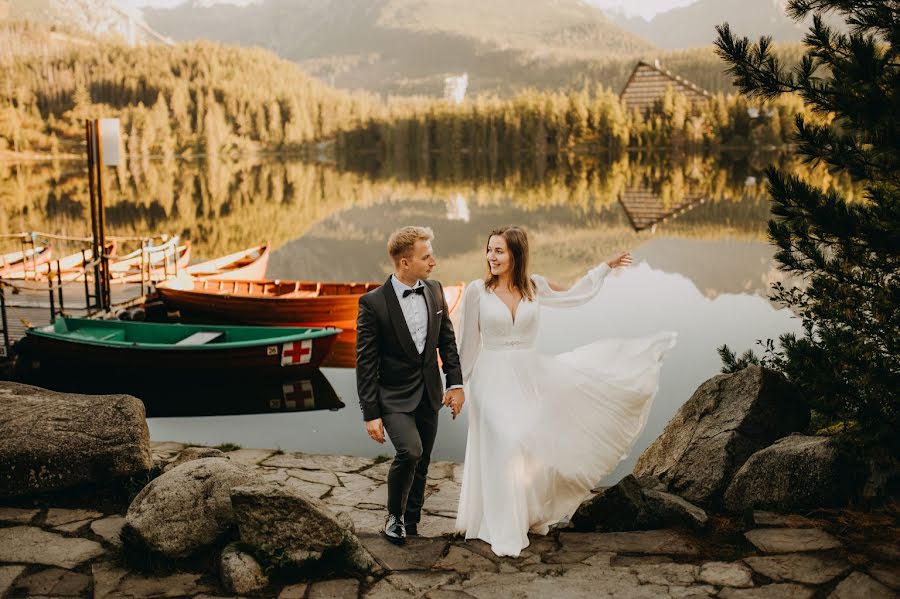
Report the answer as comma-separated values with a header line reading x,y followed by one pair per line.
x,y
645,208
214,395
225,206
636,302
248,396
350,245
696,225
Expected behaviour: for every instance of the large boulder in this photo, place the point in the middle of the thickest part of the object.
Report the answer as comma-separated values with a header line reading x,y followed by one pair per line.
x,y
281,522
186,509
793,474
726,420
629,506
51,440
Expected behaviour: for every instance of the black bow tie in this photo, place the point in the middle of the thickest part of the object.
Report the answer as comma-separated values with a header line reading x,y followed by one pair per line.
x,y
420,290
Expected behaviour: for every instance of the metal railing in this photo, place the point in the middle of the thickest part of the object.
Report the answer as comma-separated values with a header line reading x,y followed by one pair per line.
x,y
55,294
61,282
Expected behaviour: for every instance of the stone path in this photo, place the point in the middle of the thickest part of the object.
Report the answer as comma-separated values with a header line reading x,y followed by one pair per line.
x,y
49,551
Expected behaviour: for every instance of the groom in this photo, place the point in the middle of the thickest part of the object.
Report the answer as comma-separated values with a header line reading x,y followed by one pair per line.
x,y
398,329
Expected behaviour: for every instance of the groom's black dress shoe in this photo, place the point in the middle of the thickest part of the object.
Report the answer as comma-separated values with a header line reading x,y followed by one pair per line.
x,y
394,530
412,530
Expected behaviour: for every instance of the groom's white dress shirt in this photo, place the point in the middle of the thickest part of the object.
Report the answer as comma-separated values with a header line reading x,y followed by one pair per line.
x,y
415,312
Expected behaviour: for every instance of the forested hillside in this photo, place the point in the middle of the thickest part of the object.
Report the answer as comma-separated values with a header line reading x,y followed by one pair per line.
x,y
490,136
186,99
205,98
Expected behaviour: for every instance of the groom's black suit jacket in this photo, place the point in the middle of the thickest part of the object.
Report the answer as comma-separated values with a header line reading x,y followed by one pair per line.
x,y
391,376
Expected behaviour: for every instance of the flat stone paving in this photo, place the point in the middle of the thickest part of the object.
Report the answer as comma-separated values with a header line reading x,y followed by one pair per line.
x,y
53,551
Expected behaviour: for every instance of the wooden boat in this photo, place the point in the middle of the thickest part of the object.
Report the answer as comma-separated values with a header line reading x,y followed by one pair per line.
x,y
23,263
154,350
167,245
249,264
280,303
158,263
343,354
70,267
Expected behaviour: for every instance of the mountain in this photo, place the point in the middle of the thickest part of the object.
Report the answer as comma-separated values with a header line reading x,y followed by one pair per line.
x,y
98,18
410,46
693,26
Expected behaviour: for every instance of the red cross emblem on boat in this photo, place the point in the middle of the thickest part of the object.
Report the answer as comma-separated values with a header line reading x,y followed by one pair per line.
x,y
296,352
301,392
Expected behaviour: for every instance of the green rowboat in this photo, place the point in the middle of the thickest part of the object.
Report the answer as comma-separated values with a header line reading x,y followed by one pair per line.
x,y
117,346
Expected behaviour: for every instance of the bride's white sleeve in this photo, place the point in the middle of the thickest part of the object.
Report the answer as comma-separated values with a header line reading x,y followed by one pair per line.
x,y
469,337
580,293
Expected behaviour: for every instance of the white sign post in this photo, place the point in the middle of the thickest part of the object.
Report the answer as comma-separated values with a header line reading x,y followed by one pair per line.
x,y
110,141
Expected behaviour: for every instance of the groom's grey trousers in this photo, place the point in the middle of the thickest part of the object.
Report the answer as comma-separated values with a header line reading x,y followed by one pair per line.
x,y
412,434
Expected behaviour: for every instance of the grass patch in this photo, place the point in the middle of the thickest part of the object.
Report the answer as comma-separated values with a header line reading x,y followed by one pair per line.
x,y
226,447
379,459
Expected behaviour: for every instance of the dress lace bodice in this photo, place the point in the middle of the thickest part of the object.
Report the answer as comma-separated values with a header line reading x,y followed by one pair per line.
x,y
487,322
499,330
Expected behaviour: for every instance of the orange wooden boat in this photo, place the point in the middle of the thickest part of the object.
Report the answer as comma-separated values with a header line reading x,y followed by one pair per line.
x,y
249,264
278,303
343,352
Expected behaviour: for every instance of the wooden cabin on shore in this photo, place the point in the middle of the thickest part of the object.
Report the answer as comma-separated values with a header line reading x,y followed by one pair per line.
x,y
648,83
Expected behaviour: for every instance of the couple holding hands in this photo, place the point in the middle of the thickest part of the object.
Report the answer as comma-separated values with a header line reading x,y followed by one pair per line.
x,y
543,429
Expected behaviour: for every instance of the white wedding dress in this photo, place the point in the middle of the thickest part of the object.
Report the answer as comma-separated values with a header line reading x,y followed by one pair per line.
x,y
543,429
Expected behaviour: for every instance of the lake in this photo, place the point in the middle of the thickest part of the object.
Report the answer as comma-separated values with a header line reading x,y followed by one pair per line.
x,y
695,225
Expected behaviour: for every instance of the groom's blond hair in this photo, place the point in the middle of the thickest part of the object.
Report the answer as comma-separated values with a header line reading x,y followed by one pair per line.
x,y
401,243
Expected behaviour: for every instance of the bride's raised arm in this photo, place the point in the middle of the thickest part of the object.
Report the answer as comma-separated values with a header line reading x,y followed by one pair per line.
x,y
583,290
469,337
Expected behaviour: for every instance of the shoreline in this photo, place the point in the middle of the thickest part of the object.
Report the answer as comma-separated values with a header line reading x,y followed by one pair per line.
x,y
818,554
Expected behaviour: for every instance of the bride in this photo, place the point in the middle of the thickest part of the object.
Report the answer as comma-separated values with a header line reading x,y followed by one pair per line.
x,y
543,430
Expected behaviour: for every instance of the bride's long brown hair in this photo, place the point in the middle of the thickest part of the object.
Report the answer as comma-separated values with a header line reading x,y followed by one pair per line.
x,y
517,244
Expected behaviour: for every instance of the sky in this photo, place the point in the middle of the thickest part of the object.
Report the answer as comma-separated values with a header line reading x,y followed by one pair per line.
x,y
643,8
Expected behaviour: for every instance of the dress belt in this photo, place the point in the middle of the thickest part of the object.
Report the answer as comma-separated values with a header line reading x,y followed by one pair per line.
x,y
504,345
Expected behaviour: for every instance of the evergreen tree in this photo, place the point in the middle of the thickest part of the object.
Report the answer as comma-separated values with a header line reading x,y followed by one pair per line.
x,y
846,363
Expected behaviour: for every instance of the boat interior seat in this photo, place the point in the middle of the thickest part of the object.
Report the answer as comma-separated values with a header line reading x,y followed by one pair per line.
x,y
202,338
99,334
295,293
